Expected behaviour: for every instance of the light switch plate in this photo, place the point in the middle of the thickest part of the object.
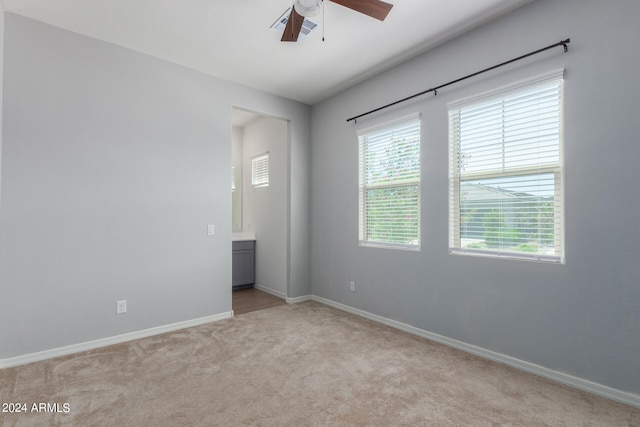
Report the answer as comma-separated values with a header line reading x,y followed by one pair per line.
x,y
211,230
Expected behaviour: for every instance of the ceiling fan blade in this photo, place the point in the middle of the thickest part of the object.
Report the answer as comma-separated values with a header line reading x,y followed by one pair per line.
x,y
294,25
374,8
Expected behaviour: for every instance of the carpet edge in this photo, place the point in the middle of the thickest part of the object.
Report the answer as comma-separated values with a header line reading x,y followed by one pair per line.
x,y
541,371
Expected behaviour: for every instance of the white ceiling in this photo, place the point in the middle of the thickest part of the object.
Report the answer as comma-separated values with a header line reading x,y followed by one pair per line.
x,y
232,39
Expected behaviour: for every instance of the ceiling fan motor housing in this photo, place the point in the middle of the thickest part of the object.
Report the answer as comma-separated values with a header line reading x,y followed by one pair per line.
x,y
308,8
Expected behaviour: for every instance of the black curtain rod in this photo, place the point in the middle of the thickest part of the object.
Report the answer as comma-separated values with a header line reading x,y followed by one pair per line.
x,y
562,43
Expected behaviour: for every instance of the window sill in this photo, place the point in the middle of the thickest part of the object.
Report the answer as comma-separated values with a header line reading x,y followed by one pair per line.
x,y
547,259
394,246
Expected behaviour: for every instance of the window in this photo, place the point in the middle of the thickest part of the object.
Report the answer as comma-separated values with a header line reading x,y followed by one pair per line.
x,y
506,172
389,157
260,170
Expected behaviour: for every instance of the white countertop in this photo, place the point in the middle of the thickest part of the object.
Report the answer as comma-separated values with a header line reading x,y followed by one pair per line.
x,y
242,236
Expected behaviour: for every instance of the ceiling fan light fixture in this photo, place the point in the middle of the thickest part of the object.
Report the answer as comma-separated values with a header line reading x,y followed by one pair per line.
x,y
308,8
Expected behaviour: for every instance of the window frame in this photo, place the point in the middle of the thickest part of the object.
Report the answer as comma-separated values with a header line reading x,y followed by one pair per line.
x,y
556,169
364,240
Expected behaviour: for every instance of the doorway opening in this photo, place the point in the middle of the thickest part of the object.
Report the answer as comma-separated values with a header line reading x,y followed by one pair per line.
x,y
252,299
260,210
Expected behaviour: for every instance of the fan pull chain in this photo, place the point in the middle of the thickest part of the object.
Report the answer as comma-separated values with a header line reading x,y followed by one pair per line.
x,y
323,20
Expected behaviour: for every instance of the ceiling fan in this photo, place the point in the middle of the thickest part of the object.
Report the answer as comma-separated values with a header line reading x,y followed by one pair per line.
x,y
377,9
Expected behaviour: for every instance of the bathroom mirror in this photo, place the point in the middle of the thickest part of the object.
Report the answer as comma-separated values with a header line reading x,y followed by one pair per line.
x,y
236,198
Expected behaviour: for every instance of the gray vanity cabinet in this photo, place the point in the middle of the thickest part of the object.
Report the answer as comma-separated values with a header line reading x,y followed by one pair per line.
x,y
243,260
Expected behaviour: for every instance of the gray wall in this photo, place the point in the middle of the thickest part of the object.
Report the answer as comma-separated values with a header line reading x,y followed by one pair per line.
x,y
113,164
265,210
581,318
1,90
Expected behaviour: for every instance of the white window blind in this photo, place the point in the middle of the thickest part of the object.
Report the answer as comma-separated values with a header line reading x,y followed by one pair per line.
x,y
389,159
505,195
260,170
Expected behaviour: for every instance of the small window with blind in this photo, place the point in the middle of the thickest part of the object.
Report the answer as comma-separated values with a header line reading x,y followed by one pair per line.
x,y
505,186
389,158
260,170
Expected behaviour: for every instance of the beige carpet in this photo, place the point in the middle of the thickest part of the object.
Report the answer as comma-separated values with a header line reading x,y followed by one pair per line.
x,y
295,365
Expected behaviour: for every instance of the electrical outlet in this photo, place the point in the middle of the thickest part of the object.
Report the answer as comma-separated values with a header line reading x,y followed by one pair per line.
x,y
121,306
352,286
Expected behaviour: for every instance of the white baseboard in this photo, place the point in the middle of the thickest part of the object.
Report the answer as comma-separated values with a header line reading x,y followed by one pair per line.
x,y
296,300
270,291
282,295
103,342
579,383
